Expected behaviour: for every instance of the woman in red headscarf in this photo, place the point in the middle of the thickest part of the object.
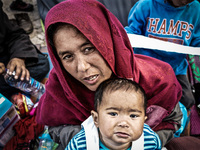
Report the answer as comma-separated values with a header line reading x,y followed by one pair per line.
x,y
87,45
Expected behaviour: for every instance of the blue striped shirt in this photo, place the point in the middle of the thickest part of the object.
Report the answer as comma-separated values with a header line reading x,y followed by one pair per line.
x,y
151,141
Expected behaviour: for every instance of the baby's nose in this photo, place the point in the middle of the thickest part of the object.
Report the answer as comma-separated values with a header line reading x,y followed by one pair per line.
x,y
123,124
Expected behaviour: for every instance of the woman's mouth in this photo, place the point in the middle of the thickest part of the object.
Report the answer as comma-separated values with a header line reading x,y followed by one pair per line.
x,y
91,79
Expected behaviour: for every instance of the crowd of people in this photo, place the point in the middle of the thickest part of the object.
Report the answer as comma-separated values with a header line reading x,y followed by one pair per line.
x,y
99,82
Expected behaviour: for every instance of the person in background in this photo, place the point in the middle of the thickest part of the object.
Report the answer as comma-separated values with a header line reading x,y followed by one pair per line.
x,y
44,6
87,45
119,8
176,21
20,5
17,53
117,121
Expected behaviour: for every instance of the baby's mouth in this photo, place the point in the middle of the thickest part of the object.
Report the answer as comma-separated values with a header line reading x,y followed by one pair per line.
x,y
122,134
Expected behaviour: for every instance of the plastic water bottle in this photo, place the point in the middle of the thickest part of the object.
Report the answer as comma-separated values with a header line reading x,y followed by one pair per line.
x,y
31,86
46,143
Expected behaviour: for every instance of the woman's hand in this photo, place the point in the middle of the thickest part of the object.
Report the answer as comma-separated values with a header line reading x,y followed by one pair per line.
x,y
18,65
2,68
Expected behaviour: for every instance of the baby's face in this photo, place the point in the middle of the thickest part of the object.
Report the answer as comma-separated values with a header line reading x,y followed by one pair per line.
x,y
120,118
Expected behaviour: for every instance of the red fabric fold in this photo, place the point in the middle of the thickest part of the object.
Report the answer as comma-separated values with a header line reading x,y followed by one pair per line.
x,y
27,129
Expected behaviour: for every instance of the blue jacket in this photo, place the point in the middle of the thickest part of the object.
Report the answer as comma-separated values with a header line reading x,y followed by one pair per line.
x,y
158,19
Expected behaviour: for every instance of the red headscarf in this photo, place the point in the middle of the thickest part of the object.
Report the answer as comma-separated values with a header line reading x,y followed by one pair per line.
x,y
66,100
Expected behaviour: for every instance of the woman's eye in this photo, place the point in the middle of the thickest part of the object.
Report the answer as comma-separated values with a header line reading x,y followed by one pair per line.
x,y
89,50
113,114
67,57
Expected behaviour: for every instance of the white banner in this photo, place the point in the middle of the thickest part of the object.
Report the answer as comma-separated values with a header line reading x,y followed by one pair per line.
x,y
141,41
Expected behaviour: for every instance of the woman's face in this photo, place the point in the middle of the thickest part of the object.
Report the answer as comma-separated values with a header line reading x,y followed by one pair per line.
x,y
80,58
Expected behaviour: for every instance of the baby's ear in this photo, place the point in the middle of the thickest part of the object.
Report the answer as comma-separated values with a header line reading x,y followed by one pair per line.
x,y
95,118
145,118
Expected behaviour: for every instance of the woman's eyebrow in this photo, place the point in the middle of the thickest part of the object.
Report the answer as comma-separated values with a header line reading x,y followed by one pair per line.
x,y
61,53
86,43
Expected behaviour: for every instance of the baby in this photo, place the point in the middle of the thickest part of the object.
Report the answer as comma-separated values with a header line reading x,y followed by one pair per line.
x,y
117,122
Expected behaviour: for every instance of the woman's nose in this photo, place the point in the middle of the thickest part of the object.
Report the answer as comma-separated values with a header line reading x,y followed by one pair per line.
x,y
82,65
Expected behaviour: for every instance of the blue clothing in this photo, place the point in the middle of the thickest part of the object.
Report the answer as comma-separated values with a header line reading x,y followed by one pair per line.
x,y
151,141
158,19
103,147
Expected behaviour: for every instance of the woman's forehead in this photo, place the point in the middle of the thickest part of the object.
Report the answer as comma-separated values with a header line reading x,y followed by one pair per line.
x,y
67,27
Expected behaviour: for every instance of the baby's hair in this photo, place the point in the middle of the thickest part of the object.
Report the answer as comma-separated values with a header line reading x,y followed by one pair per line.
x,y
112,85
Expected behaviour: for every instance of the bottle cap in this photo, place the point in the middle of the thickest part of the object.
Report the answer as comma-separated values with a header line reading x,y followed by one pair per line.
x,y
46,136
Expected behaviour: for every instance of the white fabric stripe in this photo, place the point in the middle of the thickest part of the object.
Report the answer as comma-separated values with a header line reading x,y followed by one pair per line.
x,y
91,133
141,41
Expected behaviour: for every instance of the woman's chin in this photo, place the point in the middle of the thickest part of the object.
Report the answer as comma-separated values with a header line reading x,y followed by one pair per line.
x,y
92,88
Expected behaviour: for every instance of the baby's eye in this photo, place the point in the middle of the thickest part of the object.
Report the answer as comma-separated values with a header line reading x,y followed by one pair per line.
x,y
133,116
112,114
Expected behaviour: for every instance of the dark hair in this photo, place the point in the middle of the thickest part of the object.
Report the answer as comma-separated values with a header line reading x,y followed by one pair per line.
x,y
112,85
53,28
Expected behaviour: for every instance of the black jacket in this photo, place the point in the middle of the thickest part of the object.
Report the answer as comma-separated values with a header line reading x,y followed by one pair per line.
x,y
14,42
